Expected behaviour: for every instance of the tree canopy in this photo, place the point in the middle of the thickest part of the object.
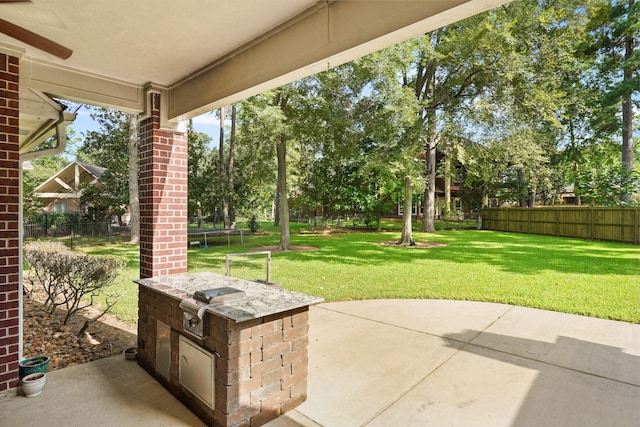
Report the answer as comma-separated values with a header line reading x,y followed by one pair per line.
x,y
513,106
520,103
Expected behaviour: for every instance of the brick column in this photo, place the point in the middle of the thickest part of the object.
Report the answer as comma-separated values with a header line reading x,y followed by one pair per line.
x,y
9,243
163,197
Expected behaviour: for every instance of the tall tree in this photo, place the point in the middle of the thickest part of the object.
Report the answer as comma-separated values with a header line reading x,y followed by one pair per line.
x,y
255,169
263,132
134,200
201,173
224,208
453,148
280,100
444,69
615,37
393,124
107,147
230,166
536,103
331,146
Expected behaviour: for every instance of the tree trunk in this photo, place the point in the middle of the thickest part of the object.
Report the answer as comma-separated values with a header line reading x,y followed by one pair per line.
x,y
283,204
447,185
428,225
428,217
232,142
276,211
134,200
406,238
533,196
522,199
223,197
378,215
199,213
627,109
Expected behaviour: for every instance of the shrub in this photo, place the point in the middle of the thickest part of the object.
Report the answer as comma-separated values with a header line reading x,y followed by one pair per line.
x,y
253,224
71,279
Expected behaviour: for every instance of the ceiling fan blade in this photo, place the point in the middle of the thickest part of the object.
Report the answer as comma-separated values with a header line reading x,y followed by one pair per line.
x,y
33,39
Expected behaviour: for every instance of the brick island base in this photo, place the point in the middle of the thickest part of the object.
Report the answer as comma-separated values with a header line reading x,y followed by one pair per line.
x,y
260,368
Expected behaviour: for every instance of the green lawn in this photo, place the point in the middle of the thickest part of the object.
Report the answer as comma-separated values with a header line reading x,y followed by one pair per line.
x,y
574,276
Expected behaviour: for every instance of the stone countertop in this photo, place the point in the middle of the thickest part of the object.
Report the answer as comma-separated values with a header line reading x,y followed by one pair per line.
x,y
260,300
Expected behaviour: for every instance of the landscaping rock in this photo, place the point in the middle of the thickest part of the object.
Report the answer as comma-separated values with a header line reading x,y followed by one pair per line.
x,y
44,334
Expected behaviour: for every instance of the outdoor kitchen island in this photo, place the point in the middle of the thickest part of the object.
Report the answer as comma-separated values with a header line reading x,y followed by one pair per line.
x,y
234,351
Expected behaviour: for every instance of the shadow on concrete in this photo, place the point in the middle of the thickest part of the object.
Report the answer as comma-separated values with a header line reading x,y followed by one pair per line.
x,y
577,382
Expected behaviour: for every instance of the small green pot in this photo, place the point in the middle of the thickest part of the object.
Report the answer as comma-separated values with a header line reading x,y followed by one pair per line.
x,y
33,365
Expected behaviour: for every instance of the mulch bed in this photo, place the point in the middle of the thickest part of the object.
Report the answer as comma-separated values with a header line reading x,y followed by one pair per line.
x,y
417,245
44,334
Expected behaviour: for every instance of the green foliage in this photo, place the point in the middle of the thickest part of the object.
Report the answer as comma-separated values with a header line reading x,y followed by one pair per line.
x,y
107,147
255,181
53,219
613,22
109,197
253,224
615,39
204,187
513,96
70,278
606,186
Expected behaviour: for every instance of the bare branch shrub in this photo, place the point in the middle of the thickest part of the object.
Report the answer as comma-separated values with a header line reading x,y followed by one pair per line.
x,y
70,279
40,256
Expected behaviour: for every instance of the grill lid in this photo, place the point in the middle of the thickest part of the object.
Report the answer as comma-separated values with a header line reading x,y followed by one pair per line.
x,y
210,296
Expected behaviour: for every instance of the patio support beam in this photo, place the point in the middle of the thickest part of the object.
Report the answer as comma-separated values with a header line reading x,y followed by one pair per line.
x,y
80,86
163,196
327,35
10,289
330,33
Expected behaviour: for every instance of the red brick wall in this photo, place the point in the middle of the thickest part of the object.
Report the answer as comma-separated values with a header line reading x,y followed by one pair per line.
x,y
163,198
9,204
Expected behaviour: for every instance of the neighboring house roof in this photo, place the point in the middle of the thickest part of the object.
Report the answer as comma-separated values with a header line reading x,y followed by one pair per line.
x,y
65,184
94,170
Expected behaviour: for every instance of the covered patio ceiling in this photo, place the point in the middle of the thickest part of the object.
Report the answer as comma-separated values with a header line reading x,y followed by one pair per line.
x,y
203,54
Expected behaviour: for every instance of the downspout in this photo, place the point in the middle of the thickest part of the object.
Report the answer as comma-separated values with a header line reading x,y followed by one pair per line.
x,y
61,137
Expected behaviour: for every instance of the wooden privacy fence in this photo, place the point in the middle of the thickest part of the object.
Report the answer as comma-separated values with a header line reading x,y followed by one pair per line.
x,y
614,224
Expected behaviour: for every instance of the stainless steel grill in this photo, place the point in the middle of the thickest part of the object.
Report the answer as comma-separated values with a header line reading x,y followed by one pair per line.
x,y
193,321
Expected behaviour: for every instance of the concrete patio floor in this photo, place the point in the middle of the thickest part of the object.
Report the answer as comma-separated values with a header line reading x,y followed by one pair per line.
x,y
398,363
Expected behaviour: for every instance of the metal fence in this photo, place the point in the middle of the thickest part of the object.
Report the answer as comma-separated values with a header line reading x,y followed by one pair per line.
x,y
595,223
77,234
